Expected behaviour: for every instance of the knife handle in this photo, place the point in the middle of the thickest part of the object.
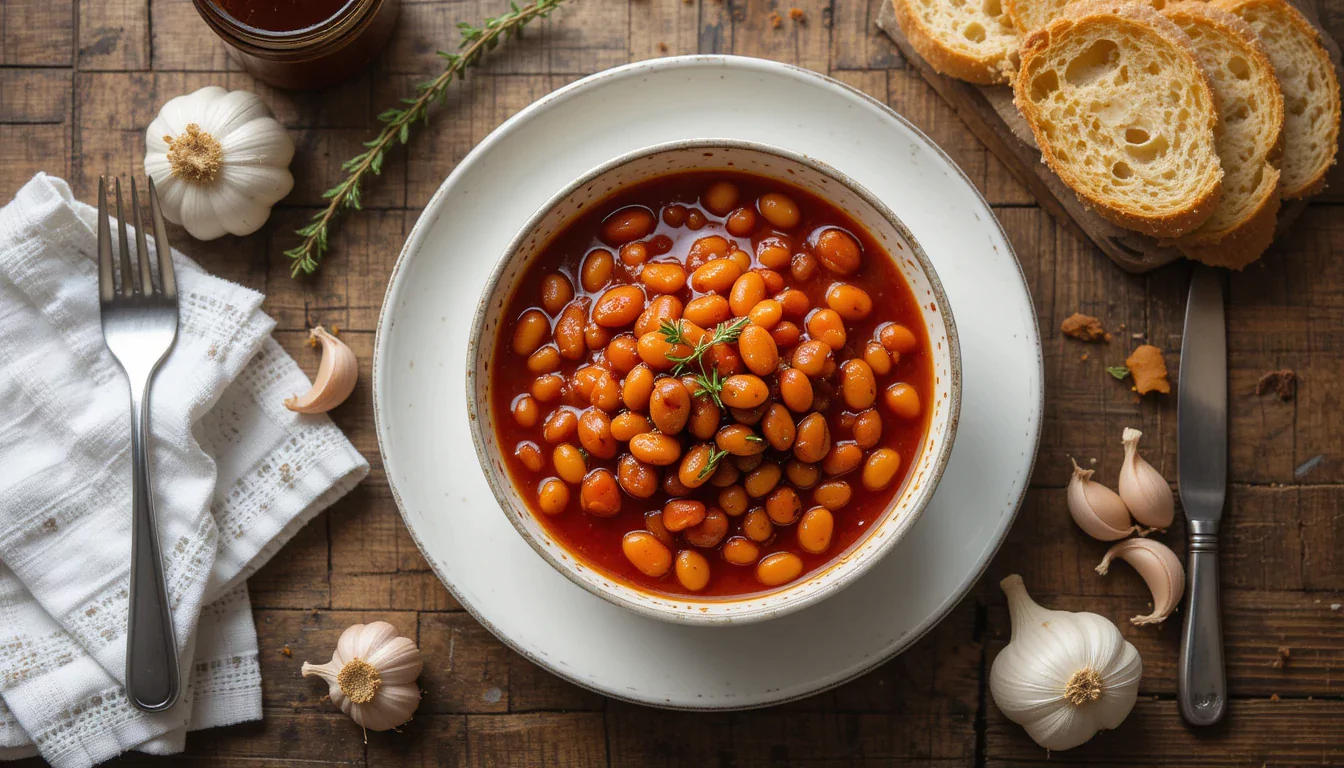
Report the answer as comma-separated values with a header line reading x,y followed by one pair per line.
x,y
1201,679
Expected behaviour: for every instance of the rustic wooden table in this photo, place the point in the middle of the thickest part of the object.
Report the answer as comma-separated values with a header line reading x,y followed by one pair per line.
x,y
80,80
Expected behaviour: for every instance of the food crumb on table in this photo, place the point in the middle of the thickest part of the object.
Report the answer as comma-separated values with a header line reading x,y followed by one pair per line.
x,y
662,47
775,20
286,652
1149,370
1082,358
1285,655
1084,328
796,14
1283,383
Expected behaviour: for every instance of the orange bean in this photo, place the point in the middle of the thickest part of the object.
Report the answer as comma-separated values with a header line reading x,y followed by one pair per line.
x,y
706,249
627,424
795,389
739,440
595,434
750,416
708,311
849,301
843,458
779,568
552,496
766,313
638,388
654,350
733,500
815,529
762,480
569,463
636,478
556,291
659,309
897,338
633,254
623,353
530,332
858,386
758,350
723,358
647,553
867,428
875,355
619,306
559,426
599,495
803,267
740,551
695,470
708,532
680,514
670,406
548,387
827,326
741,222
692,570
880,468
595,336
606,393
793,302
655,448
716,276
814,439
778,428
741,258
757,526
705,417
902,400
674,215
747,291
802,474
832,494
544,360
838,251
744,391
810,357
779,209
783,506
786,334
720,198
773,254
597,269
727,474
569,330
530,455
695,220
626,225
748,463
526,411
663,277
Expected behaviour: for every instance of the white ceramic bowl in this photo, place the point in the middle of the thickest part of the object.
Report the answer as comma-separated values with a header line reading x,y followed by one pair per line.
x,y
789,168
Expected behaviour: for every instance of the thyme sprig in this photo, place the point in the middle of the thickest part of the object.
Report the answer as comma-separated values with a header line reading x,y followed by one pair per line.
x,y
397,122
715,456
709,381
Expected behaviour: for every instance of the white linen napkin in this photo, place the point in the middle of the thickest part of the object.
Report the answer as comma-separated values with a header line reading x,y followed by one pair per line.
x,y
235,476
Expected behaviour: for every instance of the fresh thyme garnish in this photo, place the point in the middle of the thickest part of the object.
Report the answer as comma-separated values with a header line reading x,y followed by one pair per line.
x,y
755,438
710,382
715,456
397,124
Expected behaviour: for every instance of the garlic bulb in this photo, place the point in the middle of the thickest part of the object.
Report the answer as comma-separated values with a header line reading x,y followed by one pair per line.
x,y
1161,571
336,376
372,675
1064,676
1097,509
1142,487
219,161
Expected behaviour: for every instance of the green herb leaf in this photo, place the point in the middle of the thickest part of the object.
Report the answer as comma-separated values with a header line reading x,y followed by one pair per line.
x,y
1120,372
715,456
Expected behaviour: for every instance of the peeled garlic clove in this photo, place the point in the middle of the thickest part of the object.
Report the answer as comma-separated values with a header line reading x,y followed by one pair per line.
x,y
1142,487
1098,510
336,376
1161,571
371,675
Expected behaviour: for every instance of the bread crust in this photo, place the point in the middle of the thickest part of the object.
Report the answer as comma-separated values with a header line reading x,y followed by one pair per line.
x,y
1317,181
1168,225
1243,241
945,60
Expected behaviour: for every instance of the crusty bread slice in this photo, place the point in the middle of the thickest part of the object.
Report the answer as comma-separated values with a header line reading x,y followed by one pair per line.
x,y
1124,114
1249,142
972,40
1031,15
1310,90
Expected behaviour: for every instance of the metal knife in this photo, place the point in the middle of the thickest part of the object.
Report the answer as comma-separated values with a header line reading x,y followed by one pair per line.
x,y
1202,451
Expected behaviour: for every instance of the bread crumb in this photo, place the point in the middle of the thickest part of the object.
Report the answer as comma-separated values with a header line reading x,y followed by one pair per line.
x,y
1149,370
286,652
797,15
1285,655
662,47
775,20
1083,358
1084,328
1273,697
1284,384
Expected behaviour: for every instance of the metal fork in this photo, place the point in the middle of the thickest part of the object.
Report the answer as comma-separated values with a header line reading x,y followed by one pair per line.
x,y
139,326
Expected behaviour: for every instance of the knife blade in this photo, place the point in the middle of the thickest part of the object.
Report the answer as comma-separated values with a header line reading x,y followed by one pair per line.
x,y
1201,416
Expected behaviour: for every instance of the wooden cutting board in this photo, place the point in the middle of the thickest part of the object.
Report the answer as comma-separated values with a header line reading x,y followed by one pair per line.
x,y
989,112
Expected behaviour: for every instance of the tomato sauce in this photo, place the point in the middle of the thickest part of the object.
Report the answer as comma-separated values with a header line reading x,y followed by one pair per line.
x,y
678,203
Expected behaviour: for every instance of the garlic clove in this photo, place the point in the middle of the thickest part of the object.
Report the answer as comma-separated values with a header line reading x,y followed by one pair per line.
x,y
1160,569
1098,510
1143,488
372,674
335,380
1063,676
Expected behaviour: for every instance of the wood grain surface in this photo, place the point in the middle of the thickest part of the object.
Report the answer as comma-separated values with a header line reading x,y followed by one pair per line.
x,y
80,80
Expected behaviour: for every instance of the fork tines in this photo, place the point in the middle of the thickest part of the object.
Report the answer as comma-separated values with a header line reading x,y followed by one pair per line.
x,y
134,282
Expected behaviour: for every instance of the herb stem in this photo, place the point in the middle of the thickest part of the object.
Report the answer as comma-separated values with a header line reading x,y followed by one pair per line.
x,y
397,125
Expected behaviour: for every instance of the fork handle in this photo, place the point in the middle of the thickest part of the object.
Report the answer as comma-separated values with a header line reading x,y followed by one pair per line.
x,y
1200,676
152,679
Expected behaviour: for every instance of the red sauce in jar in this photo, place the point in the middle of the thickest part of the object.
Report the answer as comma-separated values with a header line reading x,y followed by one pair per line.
x,y
798,242
282,15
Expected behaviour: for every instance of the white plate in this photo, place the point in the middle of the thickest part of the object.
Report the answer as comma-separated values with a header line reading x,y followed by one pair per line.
x,y
420,384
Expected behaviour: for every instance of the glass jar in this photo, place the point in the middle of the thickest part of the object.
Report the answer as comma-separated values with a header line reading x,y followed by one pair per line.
x,y
317,55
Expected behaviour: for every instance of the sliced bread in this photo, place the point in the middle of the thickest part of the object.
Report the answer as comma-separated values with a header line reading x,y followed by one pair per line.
x,y
1031,15
972,40
1249,142
1310,90
1124,114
